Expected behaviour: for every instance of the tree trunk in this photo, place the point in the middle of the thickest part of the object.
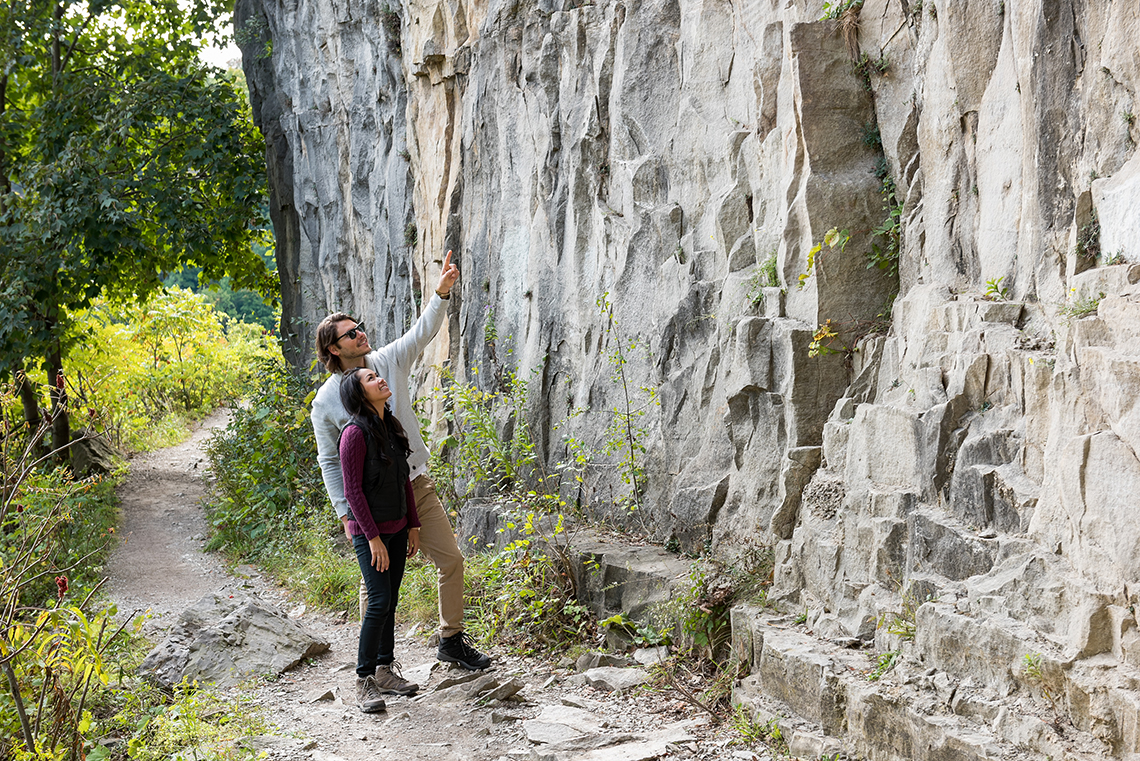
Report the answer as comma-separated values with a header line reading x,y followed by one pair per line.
x,y
60,423
29,400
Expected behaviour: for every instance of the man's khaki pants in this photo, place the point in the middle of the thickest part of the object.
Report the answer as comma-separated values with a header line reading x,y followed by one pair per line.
x,y
437,542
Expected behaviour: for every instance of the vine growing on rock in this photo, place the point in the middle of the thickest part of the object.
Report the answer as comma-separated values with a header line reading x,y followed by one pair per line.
x,y
885,249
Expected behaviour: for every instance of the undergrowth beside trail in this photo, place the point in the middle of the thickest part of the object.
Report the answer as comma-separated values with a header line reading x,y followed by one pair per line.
x,y
269,504
270,507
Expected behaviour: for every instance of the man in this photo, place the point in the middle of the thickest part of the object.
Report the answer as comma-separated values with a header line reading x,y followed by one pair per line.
x,y
342,346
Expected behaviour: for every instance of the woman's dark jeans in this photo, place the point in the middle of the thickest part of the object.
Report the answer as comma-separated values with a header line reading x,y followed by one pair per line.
x,y
378,629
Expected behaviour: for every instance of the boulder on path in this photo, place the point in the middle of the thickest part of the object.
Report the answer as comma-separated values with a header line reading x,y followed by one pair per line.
x,y
617,680
225,641
568,728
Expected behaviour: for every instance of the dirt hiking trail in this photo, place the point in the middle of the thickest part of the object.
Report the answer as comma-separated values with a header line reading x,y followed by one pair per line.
x,y
160,567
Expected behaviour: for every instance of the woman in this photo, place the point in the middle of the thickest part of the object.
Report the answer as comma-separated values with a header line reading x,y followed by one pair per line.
x,y
385,527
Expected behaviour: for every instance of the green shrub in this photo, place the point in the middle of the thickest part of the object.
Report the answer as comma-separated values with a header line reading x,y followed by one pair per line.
x,y
199,724
54,537
524,595
265,466
269,504
142,371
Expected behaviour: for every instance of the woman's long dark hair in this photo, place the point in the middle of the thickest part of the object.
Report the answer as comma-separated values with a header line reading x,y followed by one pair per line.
x,y
352,397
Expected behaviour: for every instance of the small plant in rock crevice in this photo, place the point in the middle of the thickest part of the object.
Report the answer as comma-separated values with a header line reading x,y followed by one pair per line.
x,y
883,663
1031,664
846,12
886,256
995,291
903,623
766,276
865,67
1080,306
1087,248
833,239
701,612
390,20
826,340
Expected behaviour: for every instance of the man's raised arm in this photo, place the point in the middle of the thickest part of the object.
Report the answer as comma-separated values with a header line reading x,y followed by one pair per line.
x,y
405,349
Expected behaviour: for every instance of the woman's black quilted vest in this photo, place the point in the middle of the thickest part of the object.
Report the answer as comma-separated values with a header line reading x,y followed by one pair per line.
x,y
383,482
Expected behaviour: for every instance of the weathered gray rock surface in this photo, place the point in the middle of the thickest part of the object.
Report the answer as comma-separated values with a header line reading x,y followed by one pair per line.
x,y
224,641
977,461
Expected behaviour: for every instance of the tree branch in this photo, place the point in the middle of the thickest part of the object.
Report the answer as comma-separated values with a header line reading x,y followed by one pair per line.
x,y
28,740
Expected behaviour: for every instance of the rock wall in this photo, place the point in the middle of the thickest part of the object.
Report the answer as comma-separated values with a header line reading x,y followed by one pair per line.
x,y
968,447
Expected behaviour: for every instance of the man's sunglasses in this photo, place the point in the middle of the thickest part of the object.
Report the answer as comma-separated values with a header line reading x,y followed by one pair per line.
x,y
351,333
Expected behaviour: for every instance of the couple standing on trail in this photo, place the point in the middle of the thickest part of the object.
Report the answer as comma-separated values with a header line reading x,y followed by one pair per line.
x,y
374,463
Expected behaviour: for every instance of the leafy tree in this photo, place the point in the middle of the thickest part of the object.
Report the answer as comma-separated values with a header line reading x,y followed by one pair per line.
x,y
121,157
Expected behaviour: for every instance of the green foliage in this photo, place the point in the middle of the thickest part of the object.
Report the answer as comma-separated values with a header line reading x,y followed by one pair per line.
x,y
1080,306
390,19
121,156
904,622
265,466
701,609
625,435
826,340
865,66
241,305
886,256
475,457
254,35
640,634
995,291
834,11
54,534
199,724
419,591
884,663
138,368
766,276
1031,664
269,503
525,595
751,731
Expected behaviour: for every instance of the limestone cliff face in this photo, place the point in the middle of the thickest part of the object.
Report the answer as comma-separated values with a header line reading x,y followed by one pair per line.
x,y
983,451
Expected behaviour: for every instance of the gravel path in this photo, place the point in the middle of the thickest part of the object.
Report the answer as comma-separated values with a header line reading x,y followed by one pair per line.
x,y
160,566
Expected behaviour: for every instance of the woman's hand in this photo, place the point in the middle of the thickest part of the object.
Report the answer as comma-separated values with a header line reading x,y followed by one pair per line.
x,y
413,540
379,554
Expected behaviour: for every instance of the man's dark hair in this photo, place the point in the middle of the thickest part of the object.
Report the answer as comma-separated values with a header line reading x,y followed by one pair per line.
x,y
326,337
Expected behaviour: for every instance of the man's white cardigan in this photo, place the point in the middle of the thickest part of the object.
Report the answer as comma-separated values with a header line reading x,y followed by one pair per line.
x,y
393,363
